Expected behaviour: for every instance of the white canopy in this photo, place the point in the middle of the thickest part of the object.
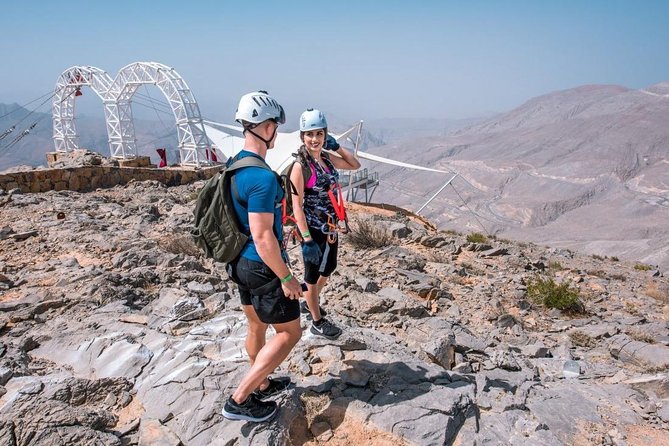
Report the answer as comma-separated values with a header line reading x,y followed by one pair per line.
x,y
229,140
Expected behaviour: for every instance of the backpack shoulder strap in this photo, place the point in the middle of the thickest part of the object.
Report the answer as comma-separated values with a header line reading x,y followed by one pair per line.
x,y
249,161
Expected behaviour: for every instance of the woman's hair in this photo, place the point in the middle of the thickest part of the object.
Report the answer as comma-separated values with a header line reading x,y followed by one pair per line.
x,y
303,155
325,129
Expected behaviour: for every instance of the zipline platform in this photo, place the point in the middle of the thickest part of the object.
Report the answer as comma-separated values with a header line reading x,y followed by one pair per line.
x,y
359,180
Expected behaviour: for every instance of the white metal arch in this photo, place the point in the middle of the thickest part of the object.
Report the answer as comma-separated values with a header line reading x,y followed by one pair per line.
x,y
193,141
68,85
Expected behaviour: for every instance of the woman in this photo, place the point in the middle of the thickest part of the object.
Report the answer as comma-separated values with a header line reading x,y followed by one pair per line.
x,y
318,210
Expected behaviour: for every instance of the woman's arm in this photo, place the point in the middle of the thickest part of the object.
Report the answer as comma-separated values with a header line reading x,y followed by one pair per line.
x,y
343,158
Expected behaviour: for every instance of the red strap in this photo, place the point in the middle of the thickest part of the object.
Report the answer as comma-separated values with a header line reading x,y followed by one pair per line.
x,y
284,216
338,202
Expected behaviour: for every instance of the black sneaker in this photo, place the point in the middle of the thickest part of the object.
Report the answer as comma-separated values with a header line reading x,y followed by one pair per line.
x,y
304,309
252,410
276,386
326,329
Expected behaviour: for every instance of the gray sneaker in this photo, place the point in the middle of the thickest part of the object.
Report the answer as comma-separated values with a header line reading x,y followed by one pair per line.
x,y
326,329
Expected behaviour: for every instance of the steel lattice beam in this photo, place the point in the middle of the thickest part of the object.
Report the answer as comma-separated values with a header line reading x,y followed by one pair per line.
x,y
117,96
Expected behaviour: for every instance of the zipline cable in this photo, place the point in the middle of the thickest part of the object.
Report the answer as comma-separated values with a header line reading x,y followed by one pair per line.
x,y
20,107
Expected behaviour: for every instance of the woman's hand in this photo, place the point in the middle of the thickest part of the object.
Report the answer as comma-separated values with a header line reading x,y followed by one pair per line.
x,y
311,252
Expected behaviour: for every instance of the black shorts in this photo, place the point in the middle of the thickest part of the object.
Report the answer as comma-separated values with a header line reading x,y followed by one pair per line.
x,y
259,286
328,260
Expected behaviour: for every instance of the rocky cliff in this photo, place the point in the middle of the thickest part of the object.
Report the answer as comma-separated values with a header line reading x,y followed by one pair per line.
x,y
115,331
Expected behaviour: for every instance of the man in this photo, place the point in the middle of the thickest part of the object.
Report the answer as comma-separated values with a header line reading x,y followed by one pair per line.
x,y
269,292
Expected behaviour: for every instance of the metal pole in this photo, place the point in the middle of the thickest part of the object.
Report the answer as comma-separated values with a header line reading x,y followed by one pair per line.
x,y
435,195
355,153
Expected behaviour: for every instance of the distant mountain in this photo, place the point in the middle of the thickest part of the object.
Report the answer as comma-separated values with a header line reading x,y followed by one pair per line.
x,y
401,129
584,168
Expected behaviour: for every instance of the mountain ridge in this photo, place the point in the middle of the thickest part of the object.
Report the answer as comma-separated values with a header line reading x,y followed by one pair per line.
x,y
545,170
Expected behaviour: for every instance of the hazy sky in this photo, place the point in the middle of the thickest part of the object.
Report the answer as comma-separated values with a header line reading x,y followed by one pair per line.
x,y
355,59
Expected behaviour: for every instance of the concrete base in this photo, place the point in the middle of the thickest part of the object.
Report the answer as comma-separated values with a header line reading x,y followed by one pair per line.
x,y
75,157
140,161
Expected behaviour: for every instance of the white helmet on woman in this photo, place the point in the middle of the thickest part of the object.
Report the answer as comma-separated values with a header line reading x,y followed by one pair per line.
x,y
312,119
258,107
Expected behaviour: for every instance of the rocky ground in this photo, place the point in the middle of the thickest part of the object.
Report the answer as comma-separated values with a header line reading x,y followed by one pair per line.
x,y
114,331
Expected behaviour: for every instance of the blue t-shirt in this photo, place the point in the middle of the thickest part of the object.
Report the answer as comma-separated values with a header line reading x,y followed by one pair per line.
x,y
260,190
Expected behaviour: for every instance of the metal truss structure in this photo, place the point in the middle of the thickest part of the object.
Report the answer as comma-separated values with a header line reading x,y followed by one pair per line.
x,y
68,87
117,96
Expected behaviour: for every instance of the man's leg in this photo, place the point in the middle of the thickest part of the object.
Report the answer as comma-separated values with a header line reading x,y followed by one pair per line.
x,y
256,335
269,357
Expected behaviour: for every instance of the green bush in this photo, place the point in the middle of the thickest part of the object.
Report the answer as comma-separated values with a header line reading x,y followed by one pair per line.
x,y
642,267
553,295
477,237
366,235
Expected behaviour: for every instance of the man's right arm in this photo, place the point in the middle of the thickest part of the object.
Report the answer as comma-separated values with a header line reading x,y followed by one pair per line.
x,y
268,249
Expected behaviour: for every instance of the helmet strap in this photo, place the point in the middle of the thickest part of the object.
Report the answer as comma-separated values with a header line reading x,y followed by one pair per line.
x,y
266,141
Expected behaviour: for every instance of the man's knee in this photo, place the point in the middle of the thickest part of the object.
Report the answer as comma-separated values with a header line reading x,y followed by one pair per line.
x,y
292,334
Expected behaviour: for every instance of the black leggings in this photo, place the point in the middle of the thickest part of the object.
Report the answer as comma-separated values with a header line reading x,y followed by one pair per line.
x,y
328,259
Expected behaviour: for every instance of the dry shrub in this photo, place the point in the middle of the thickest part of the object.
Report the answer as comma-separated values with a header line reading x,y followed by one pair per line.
x,y
367,235
555,266
180,244
597,273
640,336
580,339
632,309
658,291
438,256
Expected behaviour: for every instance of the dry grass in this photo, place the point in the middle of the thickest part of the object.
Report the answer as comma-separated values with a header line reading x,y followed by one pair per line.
x,y
366,235
580,339
180,244
632,309
438,256
640,336
597,273
555,266
658,291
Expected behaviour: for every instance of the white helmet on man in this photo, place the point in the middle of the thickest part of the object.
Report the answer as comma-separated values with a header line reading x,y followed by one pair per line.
x,y
312,119
258,107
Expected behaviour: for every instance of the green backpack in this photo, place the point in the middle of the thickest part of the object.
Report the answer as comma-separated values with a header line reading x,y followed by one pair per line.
x,y
216,228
